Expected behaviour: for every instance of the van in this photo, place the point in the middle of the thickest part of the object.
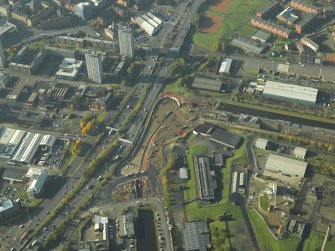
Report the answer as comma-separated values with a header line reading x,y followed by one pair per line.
x,y
99,178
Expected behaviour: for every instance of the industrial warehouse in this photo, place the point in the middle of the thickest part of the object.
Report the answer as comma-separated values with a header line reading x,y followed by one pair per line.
x,y
292,93
286,166
26,147
148,22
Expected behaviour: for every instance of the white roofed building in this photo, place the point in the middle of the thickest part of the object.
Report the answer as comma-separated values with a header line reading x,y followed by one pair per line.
x,y
261,143
299,152
8,208
48,140
225,65
287,166
289,92
149,23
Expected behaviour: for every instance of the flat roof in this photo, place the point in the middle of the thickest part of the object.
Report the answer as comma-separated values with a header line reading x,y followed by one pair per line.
x,y
5,205
14,173
183,173
37,184
261,35
268,7
261,143
196,236
248,44
6,134
207,84
299,151
225,65
285,165
295,92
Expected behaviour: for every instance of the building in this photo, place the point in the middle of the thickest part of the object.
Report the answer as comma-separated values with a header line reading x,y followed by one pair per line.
x,y
148,22
304,7
110,33
205,178
299,152
4,79
261,143
14,174
10,139
102,104
84,10
196,236
8,209
261,36
27,148
94,67
96,238
127,226
207,84
238,183
126,41
287,16
291,93
37,185
218,135
120,67
274,28
248,44
305,22
183,173
225,65
286,166
3,61
268,9
69,69
310,44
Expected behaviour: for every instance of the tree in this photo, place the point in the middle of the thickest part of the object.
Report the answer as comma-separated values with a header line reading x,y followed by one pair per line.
x,y
196,21
76,147
217,46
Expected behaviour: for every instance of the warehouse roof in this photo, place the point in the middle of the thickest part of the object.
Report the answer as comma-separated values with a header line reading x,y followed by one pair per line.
x,y
304,93
261,36
224,137
248,44
207,84
183,173
286,165
196,236
225,65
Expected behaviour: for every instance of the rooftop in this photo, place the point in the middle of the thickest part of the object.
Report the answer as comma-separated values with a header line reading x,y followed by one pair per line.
x,y
303,93
286,165
225,65
261,36
248,44
222,136
207,84
14,173
5,205
196,236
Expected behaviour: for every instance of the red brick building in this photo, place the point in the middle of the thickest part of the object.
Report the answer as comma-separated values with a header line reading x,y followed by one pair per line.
x,y
274,28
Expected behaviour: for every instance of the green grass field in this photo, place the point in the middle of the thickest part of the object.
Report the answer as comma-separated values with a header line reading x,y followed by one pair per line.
x,y
236,20
265,239
196,211
314,242
263,201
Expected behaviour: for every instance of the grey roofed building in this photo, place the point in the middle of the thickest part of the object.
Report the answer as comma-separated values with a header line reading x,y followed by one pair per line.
x,y
261,143
14,174
261,36
204,129
248,44
299,152
205,178
196,236
289,92
207,84
277,163
127,225
224,137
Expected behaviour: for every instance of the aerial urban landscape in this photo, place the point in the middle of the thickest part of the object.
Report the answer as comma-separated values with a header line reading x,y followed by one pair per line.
x,y
167,125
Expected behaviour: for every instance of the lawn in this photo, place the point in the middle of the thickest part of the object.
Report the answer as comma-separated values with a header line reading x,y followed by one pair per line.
x,y
236,20
196,211
266,240
263,201
314,242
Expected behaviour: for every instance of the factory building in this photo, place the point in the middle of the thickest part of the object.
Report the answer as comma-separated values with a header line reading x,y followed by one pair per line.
x,y
196,236
148,22
286,166
205,178
268,9
291,93
274,28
